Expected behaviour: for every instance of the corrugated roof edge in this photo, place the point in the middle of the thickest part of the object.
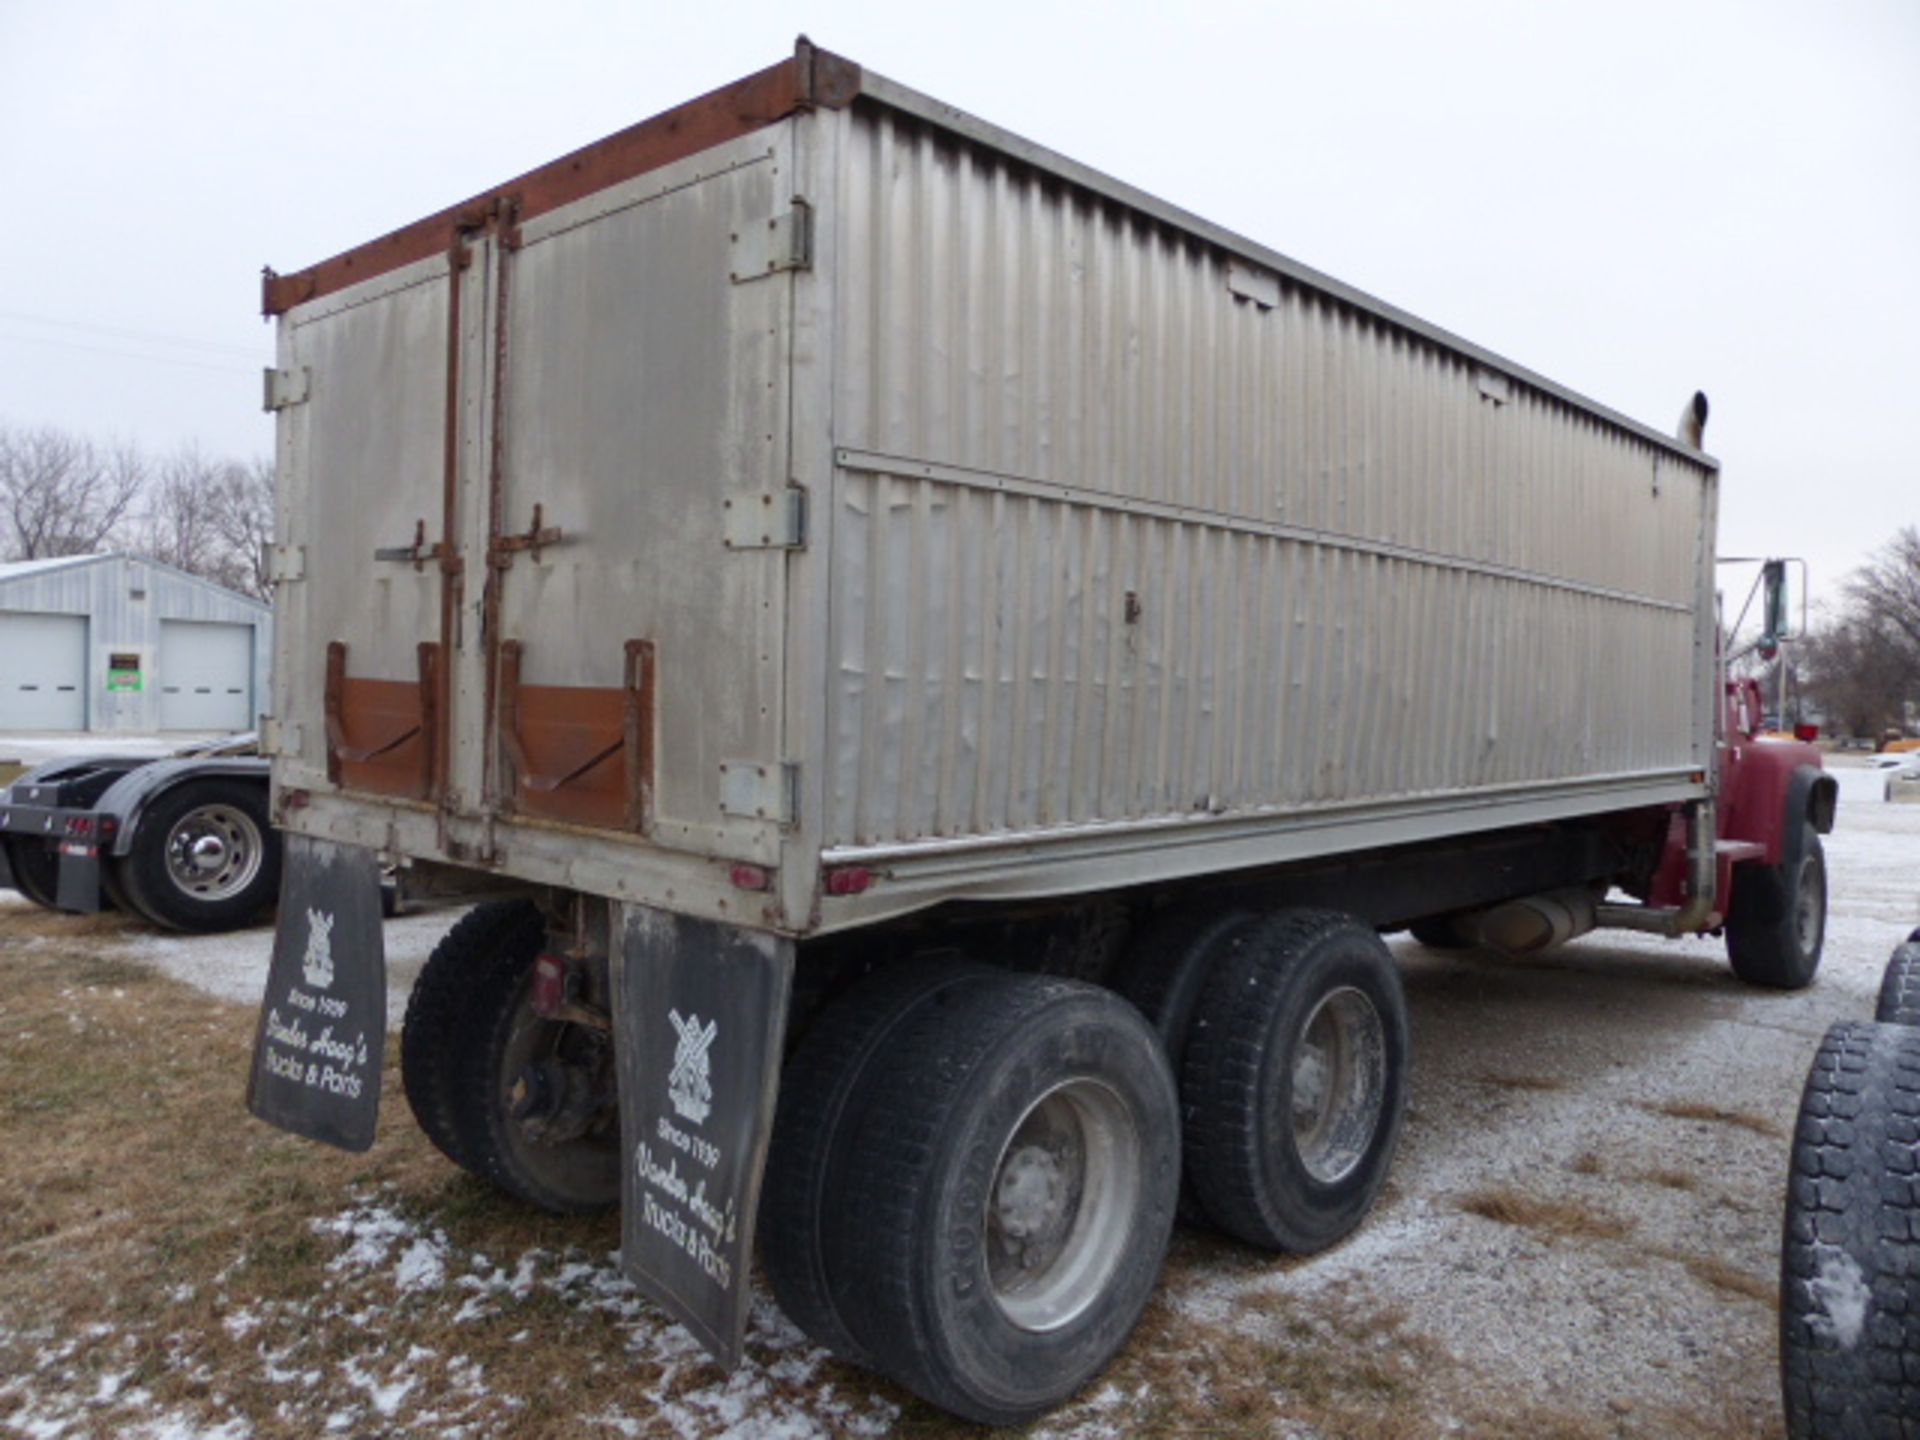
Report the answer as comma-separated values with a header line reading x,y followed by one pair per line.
x,y
20,569
882,91
811,78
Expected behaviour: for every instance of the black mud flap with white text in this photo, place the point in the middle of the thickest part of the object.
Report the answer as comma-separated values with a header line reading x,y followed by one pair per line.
x,y
323,1022
700,1013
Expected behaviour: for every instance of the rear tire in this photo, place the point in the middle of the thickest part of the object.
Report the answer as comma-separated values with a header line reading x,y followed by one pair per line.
x,y
1296,1080
36,869
819,1111
467,1046
1900,987
1777,923
1010,1191
1850,1254
204,857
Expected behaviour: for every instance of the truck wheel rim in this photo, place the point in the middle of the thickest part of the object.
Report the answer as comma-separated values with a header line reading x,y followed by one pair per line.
x,y
1809,908
213,852
1339,1084
1060,1207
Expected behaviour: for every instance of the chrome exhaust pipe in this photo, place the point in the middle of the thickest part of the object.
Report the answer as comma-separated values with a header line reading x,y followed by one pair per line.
x,y
1693,421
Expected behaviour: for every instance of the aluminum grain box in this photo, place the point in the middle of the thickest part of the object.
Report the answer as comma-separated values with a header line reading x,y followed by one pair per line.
x,y
817,479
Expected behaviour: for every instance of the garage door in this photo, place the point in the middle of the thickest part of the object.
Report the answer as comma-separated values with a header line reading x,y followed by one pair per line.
x,y
43,671
205,675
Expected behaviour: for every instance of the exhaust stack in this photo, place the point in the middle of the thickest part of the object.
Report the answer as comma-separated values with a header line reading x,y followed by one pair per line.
x,y
1693,421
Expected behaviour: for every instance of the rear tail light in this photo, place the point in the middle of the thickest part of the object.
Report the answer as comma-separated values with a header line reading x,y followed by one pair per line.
x,y
80,827
852,880
1806,732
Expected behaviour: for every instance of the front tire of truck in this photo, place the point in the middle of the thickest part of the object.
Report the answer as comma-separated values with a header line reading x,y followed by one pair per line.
x,y
204,857
522,1102
1295,1081
36,869
1777,923
1009,1194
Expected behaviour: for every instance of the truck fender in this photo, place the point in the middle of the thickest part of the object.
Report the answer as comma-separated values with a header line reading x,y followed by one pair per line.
x,y
129,796
1775,795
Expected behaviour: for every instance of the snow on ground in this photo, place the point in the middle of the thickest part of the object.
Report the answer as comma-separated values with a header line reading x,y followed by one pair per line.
x,y
1626,1074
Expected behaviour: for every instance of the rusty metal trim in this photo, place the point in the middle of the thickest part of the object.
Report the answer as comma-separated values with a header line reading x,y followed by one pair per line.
x,y
337,747
432,782
811,78
638,738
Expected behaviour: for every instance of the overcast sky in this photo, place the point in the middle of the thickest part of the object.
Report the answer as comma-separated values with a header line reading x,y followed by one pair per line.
x,y
1637,199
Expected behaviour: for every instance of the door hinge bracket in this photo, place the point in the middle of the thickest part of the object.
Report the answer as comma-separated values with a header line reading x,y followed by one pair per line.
x,y
783,242
284,562
282,388
756,791
768,520
277,738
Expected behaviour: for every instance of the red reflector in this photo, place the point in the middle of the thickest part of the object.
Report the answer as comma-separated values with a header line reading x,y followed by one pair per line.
x,y
851,881
108,824
1806,732
549,985
79,825
750,877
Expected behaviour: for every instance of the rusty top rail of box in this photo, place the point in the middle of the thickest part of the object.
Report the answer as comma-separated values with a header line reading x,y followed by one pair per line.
x,y
814,78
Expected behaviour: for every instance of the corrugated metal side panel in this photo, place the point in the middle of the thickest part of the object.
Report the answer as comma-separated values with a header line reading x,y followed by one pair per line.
x,y
1357,566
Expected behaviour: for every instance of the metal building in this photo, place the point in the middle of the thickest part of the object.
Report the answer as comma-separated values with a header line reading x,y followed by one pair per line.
x,y
120,643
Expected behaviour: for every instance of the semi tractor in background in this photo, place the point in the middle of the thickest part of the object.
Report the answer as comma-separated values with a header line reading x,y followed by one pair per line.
x,y
945,666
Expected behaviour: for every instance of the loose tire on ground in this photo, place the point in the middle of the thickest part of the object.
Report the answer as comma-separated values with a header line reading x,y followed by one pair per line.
x,y
36,869
1009,1194
1162,974
204,857
1777,923
819,1112
1295,1080
1900,986
468,1042
1850,1254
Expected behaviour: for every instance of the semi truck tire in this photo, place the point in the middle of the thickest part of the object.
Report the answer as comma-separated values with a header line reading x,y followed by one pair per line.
x,y
1009,1196
1777,923
36,869
1899,1002
1295,1080
204,857
1850,1252
474,1058
806,1162
1162,974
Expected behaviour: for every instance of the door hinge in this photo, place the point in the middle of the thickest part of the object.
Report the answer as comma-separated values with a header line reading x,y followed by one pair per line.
x,y
768,520
757,791
285,387
783,242
278,739
284,562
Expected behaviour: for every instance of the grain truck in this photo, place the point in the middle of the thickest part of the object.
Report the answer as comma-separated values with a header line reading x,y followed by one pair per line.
x,y
948,665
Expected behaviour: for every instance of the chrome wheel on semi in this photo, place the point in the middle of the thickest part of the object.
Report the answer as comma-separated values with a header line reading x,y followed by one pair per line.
x,y
1006,1167
204,857
1295,1080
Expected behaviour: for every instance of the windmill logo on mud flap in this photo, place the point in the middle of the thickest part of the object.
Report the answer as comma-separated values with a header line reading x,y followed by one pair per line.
x,y
690,1082
318,964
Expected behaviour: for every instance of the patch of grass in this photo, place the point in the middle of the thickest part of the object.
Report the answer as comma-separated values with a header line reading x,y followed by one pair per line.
x,y
1561,1219
1586,1163
1717,1274
1669,1179
1718,1115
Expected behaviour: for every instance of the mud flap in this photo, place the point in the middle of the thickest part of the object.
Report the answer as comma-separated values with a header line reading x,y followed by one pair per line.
x,y
78,889
323,1022
700,1012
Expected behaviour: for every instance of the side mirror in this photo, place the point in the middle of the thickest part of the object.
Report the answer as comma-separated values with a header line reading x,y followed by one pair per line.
x,y
1774,630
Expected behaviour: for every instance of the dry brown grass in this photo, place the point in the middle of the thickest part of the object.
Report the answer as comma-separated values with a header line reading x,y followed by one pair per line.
x,y
1586,1163
1717,1274
1718,1115
1560,1219
1523,1082
1669,1179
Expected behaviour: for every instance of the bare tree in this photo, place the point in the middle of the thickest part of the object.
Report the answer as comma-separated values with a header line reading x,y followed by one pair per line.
x,y
62,495
1887,590
177,527
243,518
